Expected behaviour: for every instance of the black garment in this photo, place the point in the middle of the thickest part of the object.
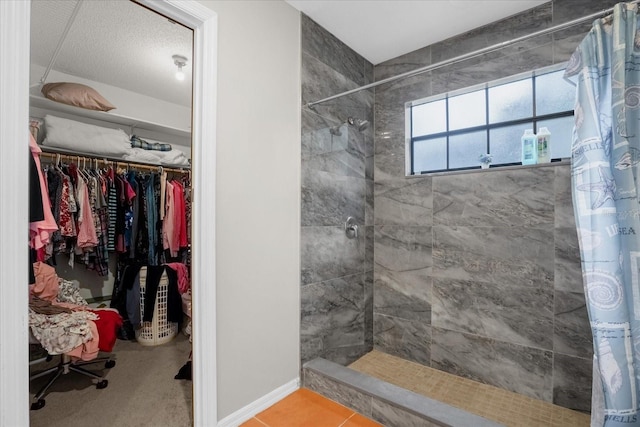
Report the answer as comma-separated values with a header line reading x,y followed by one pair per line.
x,y
33,257
174,301
36,209
185,372
125,277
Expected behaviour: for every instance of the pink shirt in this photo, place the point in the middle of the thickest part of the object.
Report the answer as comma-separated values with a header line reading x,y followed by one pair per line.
x,y
40,231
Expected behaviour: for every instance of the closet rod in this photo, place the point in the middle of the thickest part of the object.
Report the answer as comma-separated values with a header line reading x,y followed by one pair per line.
x,y
52,155
469,55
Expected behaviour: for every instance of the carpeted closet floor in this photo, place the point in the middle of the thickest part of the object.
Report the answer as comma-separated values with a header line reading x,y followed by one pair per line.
x,y
142,391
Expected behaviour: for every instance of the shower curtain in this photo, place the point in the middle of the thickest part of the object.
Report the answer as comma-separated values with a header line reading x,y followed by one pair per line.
x,y
605,162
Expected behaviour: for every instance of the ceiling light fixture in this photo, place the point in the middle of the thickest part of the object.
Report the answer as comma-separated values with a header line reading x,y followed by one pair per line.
x,y
180,62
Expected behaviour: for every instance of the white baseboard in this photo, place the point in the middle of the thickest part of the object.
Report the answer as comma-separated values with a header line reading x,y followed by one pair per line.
x,y
249,411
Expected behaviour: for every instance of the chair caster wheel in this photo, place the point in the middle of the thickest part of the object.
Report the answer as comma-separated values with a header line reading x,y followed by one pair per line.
x,y
102,384
109,364
37,405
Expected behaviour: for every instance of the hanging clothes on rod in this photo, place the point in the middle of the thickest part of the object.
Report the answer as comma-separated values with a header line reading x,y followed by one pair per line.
x,y
104,207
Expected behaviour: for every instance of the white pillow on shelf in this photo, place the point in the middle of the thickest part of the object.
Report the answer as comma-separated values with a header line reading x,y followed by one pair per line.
x,y
85,138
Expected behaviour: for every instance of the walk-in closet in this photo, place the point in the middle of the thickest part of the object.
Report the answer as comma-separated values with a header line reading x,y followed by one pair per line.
x,y
110,215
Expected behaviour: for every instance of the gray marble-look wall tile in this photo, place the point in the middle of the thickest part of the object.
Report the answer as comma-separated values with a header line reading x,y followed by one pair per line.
x,y
403,248
403,338
369,72
490,67
398,92
392,416
564,216
498,255
390,128
342,163
389,166
337,392
369,247
368,310
404,201
334,312
408,301
520,369
497,32
506,312
357,140
567,10
369,143
327,253
571,330
566,41
319,43
369,166
572,382
346,354
329,199
316,136
320,81
567,270
510,198
369,203
402,283
408,62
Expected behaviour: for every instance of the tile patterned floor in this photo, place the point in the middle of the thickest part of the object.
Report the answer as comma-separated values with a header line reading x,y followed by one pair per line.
x,y
510,409
305,408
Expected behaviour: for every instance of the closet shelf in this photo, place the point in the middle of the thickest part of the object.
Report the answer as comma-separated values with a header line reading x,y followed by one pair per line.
x,y
49,106
52,151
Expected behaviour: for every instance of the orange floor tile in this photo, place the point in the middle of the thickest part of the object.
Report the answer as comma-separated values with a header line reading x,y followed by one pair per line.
x,y
305,408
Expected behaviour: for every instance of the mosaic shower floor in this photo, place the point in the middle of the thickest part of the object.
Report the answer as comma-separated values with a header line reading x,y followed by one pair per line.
x,y
493,403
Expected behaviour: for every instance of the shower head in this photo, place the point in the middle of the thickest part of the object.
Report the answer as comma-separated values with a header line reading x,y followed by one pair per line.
x,y
358,123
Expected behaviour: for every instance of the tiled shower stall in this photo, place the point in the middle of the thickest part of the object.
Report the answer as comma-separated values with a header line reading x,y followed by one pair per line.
x,y
477,273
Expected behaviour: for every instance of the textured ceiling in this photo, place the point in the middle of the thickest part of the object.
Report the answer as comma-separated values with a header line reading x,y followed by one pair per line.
x,y
383,29
116,42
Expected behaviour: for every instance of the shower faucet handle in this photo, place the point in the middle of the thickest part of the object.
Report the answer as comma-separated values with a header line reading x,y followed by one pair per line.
x,y
351,228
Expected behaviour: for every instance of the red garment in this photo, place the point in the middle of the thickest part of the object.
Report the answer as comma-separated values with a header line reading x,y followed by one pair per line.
x,y
180,213
108,323
183,275
67,226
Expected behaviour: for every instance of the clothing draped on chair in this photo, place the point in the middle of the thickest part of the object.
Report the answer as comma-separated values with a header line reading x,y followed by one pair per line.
x,y
605,163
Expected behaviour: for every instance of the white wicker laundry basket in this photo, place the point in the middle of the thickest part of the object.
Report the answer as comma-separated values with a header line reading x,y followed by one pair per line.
x,y
159,330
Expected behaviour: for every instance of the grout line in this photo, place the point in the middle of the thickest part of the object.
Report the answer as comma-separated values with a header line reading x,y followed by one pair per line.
x,y
348,418
260,421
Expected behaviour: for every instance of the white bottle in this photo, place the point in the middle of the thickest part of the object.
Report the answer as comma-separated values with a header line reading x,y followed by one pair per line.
x,y
529,148
544,147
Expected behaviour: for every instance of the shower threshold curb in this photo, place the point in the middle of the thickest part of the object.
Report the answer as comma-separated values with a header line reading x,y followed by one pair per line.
x,y
382,401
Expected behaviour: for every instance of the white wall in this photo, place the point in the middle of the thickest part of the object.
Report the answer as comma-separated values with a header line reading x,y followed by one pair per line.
x,y
258,199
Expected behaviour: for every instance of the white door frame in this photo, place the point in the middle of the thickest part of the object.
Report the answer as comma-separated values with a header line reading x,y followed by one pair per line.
x,y
14,178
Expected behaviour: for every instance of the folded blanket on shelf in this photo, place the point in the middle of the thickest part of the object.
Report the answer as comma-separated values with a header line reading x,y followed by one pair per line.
x,y
173,157
149,145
